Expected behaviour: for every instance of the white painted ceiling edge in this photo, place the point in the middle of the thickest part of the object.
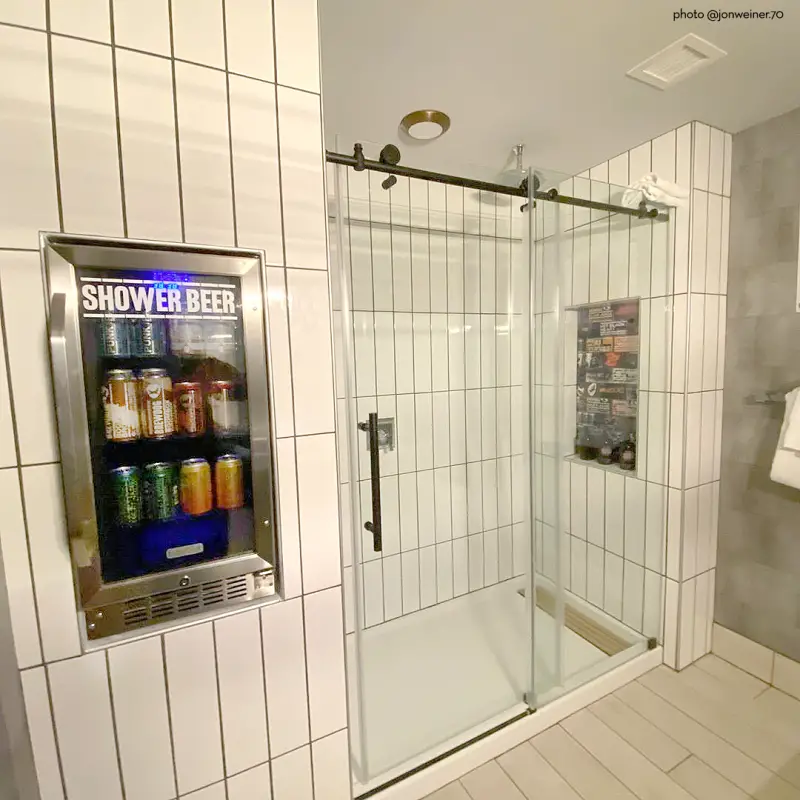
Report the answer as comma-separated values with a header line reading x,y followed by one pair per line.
x,y
549,74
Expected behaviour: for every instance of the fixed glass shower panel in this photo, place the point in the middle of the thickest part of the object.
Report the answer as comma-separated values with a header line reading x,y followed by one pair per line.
x,y
603,295
433,333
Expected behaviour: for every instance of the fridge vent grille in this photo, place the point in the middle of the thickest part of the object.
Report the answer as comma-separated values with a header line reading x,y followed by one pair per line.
x,y
171,604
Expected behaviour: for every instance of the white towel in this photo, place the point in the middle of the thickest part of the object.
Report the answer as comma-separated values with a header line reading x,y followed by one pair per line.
x,y
655,190
786,464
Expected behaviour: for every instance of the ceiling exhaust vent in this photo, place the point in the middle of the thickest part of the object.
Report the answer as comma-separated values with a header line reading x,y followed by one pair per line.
x,y
676,62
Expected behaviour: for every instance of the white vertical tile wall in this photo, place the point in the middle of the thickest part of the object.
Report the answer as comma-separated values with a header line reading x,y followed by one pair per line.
x,y
150,133
671,532
437,359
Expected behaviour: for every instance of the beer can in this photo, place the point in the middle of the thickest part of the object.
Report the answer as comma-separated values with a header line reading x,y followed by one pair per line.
x,y
126,491
115,339
158,412
222,406
160,490
196,497
121,406
149,337
189,410
229,482
187,337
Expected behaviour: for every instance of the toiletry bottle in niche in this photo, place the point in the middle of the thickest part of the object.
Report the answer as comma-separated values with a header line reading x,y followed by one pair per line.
x,y
606,451
627,455
583,446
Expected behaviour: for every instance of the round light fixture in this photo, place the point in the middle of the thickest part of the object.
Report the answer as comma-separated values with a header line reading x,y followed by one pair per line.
x,y
425,125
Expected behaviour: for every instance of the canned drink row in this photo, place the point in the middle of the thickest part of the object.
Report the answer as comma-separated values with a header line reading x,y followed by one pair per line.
x,y
145,337
148,405
161,489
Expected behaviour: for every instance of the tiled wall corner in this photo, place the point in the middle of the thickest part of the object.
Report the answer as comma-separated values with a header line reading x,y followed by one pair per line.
x,y
698,369
164,123
684,313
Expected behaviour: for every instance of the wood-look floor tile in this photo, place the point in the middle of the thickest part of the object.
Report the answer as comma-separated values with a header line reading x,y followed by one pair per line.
x,y
489,782
453,791
649,740
728,722
741,682
584,772
534,776
641,776
703,783
731,763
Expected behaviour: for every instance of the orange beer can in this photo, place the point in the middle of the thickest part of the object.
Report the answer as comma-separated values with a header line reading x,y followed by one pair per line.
x,y
229,482
196,497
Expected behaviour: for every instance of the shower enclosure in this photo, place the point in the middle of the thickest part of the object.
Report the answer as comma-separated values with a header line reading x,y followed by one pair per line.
x,y
488,568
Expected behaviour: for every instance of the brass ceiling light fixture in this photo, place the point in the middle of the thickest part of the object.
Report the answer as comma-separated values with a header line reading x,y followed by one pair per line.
x,y
425,125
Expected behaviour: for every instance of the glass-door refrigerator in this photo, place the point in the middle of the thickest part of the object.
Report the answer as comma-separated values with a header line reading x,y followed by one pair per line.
x,y
160,366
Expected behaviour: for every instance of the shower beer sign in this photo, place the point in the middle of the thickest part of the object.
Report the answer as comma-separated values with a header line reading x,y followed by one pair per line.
x,y
607,373
144,297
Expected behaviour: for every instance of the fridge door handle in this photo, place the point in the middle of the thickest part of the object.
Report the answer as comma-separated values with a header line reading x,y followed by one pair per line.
x,y
64,409
374,526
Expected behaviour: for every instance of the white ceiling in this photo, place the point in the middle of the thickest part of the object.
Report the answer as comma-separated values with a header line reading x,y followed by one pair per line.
x,y
548,73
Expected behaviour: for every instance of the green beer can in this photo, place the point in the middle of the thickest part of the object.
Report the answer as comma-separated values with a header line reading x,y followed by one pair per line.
x,y
160,490
127,492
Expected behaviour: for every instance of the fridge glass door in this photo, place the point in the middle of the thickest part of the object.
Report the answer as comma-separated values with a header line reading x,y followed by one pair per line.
x,y
165,379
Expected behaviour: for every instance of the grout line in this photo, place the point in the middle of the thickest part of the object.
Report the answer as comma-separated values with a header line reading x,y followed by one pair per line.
x,y
56,164
117,122
114,723
219,698
163,645
230,124
49,690
176,122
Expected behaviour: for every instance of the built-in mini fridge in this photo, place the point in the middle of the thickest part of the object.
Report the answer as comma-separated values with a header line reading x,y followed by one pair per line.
x,y
160,367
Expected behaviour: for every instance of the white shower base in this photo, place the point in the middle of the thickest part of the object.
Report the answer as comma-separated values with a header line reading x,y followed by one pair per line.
x,y
454,669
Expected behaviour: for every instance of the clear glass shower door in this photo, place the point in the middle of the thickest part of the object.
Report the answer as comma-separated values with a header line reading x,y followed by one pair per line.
x,y
432,317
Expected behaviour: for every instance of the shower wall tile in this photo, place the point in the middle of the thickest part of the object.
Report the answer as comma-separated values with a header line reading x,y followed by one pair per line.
x,y
248,31
194,706
29,201
83,90
256,165
240,675
701,156
84,726
204,150
302,192
197,32
145,761
716,159
291,776
664,156
282,640
148,146
42,732
14,549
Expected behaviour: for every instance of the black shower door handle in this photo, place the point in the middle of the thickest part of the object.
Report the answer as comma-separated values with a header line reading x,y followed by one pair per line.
x,y
374,526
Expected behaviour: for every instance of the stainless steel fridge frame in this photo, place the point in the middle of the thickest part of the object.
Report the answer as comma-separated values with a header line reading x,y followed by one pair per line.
x,y
116,607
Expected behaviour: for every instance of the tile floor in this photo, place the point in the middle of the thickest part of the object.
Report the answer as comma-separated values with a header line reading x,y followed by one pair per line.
x,y
711,732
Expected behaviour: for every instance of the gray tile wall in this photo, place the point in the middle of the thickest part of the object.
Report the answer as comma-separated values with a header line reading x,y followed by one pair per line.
x,y
758,568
